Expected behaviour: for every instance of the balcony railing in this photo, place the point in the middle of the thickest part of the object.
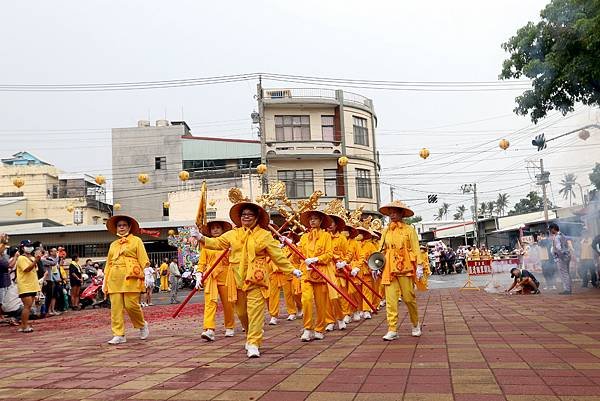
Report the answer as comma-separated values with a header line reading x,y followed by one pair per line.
x,y
282,94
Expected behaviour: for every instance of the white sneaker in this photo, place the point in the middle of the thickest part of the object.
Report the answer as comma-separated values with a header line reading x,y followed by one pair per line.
x,y
306,336
229,332
144,332
416,331
273,321
399,299
291,317
367,315
382,303
319,336
341,325
347,319
390,336
356,317
553,287
252,351
299,314
117,340
208,335
330,327
545,288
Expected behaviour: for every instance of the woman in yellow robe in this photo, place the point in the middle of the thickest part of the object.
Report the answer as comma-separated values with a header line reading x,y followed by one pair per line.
x,y
250,245
353,246
403,265
360,268
316,248
164,275
124,277
422,283
341,258
217,284
280,281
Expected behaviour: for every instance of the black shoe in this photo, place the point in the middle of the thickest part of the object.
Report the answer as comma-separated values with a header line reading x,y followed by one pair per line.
x,y
536,292
565,293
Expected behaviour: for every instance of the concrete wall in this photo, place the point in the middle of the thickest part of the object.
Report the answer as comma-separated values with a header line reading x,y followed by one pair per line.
x,y
38,179
133,152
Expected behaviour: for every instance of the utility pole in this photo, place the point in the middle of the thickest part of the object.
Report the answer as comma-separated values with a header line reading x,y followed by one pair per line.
x,y
250,178
391,193
261,133
543,179
467,188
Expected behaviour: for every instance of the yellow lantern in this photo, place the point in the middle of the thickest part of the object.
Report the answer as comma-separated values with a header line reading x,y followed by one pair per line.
x,y
100,180
584,134
117,206
171,233
18,212
143,178
424,153
504,144
70,208
184,175
343,161
261,169
211,203
18,182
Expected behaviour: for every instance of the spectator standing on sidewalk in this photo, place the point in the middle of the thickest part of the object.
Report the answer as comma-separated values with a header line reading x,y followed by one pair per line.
x,y
27,281
562,256
587,267
5,281
76,279
174,276
547,262
164,275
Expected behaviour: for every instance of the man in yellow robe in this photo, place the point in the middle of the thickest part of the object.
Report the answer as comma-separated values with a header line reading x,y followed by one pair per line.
x,y
164,275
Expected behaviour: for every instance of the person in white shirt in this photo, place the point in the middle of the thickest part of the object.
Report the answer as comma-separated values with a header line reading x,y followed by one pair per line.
x,y
174,277
149,283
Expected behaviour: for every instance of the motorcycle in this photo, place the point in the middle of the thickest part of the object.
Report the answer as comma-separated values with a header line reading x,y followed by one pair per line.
x,y
188,279
93,295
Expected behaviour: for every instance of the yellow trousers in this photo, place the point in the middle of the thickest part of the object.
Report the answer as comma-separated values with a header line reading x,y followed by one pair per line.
x,y
317,294
210,310
164,283
345,307
404,286
368,294
120,303
274,295
250,309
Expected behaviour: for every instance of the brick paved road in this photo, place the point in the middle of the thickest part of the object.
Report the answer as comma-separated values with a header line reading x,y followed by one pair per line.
x,y
475,346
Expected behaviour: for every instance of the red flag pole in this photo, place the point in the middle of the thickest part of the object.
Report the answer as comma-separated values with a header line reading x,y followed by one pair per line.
x,y
191,294
349,279
363,282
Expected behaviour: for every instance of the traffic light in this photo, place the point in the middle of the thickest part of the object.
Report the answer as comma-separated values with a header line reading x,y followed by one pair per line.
x,y
432,198
539,142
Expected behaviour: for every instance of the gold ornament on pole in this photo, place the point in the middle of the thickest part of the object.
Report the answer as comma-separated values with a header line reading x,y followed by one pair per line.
x,y
166,205
504,144
211,203
184,175
100,180
584,134
343,161
424,153
18,182
117,206
143,178
261,169
70,208
18,212
171,233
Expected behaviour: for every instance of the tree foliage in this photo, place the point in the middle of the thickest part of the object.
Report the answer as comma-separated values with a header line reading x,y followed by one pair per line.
x,y
567,187
595,176
560,55
413,219
532,202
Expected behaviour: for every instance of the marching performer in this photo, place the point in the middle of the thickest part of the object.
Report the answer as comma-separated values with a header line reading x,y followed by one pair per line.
x,y
403,265
278,281
353,252
296,281
339,244
422,282
219,284
124,277
164,275
376,274
250,245
362,251
316,247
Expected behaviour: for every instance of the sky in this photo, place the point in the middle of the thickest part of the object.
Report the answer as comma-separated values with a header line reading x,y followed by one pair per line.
x,y
67,42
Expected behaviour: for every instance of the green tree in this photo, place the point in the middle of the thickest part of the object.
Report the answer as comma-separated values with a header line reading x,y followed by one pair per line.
x,y
560,55
460,212
445,207
532,202
483,208
440,214
491,206
413,219
502,203
567,187
595,176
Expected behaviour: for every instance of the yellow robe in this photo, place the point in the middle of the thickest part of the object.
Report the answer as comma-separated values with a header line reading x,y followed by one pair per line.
x,y
125,264
422,283
401,248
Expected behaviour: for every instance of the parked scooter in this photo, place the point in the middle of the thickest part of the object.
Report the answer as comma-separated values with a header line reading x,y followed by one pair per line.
x,y
93,295
188,279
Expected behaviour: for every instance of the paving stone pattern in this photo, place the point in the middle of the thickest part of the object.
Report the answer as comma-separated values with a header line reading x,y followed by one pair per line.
x,y
475,346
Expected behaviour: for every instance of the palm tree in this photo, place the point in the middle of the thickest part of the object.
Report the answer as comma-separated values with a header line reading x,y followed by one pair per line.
x,y
460,212
440,214
483,209
567,186
445,208
490,207
502,203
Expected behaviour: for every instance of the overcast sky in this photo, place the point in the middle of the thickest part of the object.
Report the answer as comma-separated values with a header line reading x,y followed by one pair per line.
x,y
63,42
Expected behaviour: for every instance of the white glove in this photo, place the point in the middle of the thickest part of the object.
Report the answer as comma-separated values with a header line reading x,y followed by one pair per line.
x,y
297,273
354,272
198,280
282,245
419,272
285,240
375,274
341,264
310,261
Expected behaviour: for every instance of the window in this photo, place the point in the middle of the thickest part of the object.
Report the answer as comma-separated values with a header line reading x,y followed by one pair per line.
x,y
160,163
330,182
363,184
211,214
361,132
327,127
298,183
292,128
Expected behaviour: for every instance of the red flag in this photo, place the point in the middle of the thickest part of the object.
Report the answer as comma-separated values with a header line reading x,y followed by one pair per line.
x,y
152,233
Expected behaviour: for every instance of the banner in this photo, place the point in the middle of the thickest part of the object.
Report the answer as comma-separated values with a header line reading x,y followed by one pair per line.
x,y
505,265
479,267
